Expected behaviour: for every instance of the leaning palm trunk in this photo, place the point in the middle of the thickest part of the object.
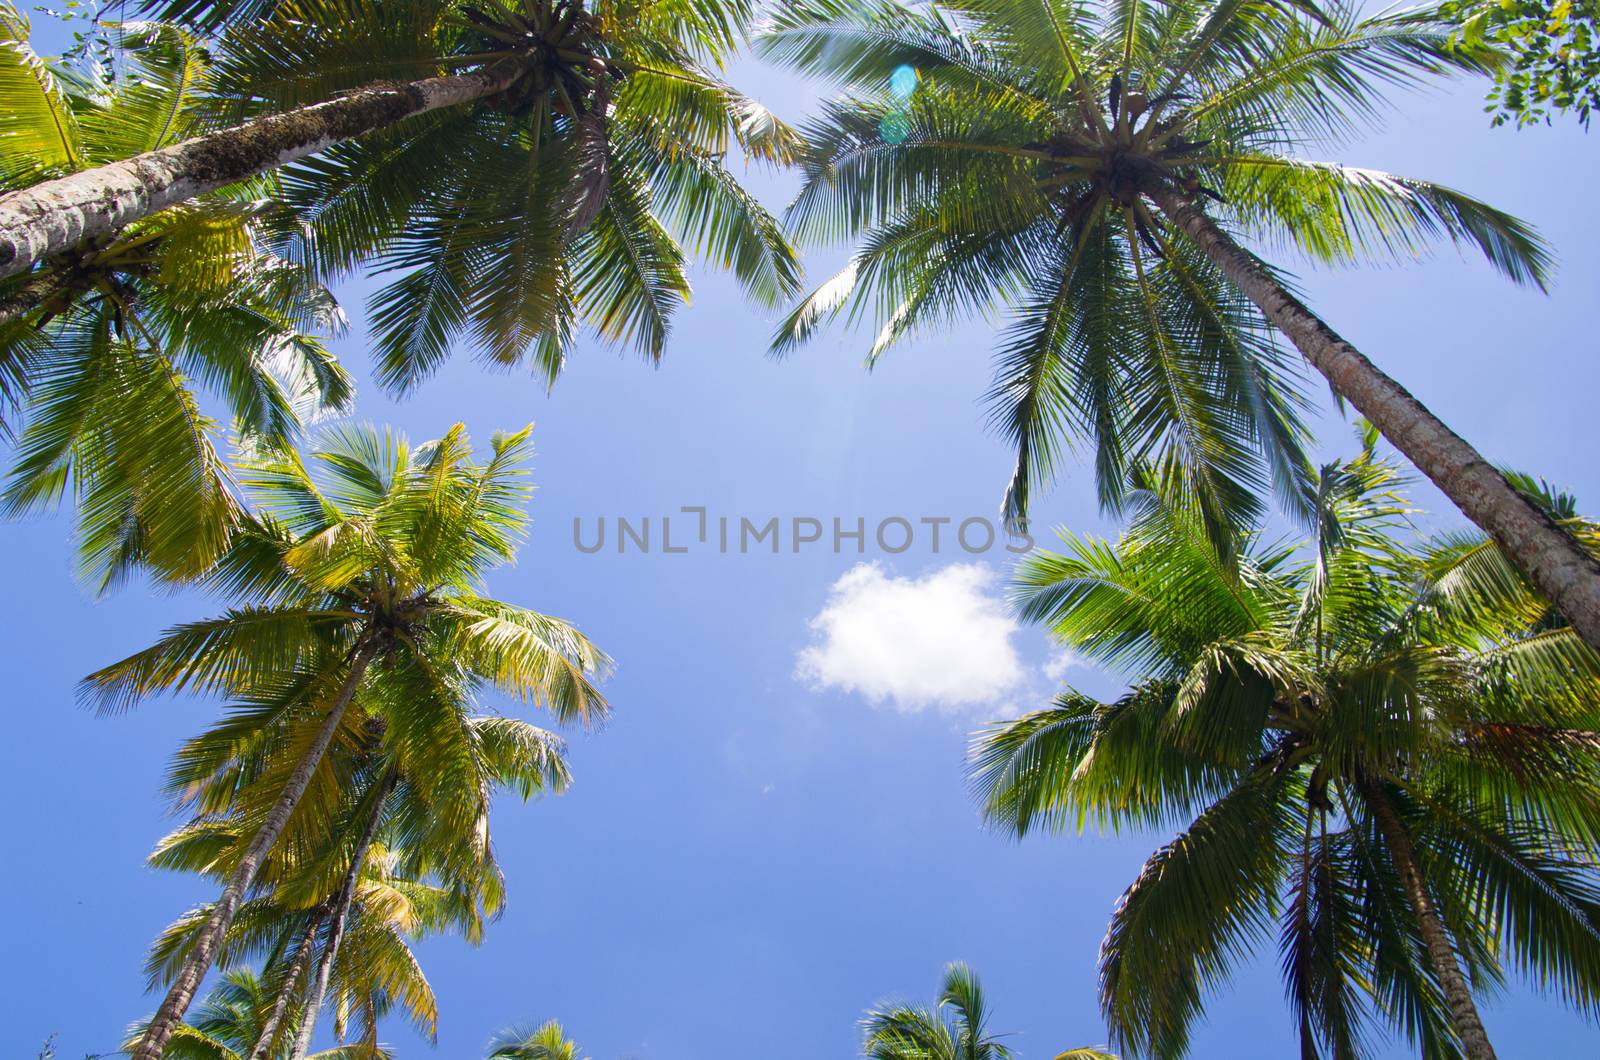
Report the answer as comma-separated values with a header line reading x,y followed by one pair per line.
x,y
55,215
1557,565
1464,1017
199,959
291,985
341,914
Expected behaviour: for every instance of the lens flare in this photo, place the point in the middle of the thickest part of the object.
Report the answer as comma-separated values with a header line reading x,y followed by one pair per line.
x,y
894,128
903,82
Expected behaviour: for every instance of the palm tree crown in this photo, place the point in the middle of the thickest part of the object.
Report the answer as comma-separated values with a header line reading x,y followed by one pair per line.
x,y
374,971
101,349
1023,153
566,199
1388,753
228,1022
353,905
525,168
376,550
955,1030
546,1042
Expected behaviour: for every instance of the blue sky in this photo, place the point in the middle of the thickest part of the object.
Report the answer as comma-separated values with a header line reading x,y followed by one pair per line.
x,y
755,851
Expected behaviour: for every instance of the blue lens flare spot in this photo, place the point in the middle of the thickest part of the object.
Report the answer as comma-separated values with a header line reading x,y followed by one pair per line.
x,y
903,82
894,128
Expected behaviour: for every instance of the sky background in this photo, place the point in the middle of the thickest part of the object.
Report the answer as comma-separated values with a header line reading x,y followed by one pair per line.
x,y
773,832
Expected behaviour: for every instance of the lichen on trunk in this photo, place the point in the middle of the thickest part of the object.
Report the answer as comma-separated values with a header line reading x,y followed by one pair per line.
x,y
55,215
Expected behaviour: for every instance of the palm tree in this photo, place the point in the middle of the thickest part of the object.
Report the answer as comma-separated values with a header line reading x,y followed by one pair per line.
x,y
316,926
953,1030
1390,752
361,578
1084,164
370,974
548,1042
101,349
228,1023
391,780
540,172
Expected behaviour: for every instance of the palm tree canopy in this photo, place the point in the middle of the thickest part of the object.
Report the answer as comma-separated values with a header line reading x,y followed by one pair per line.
x,y
101,350
954,1030
547,1042
438,879
228,1022
375,971
441,878
1004,155
1281,693
379,545
435,763
575,197
375,551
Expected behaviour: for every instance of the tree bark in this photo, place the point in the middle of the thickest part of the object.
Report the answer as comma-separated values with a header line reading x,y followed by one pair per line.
x,y
55,215
1552,559
286,992
26,297
1464,1016
341,914
198,962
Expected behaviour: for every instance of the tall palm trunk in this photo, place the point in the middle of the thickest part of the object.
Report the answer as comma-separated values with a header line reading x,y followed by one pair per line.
x,y
1551,558
341,914
198,962
54,215
1464,1016
286,992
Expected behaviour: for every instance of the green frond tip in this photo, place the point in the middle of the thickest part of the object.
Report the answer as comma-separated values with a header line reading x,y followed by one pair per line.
x,y
1340,213
546,1042
956,1027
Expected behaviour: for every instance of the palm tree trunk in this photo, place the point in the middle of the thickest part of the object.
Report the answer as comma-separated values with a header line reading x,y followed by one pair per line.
x,y
1551,558
1464,1016
341,914
25,298
286,992
198,962
54,215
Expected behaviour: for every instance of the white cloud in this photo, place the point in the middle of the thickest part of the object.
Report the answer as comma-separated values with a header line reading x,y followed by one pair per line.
x,y
939,641
1056,667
